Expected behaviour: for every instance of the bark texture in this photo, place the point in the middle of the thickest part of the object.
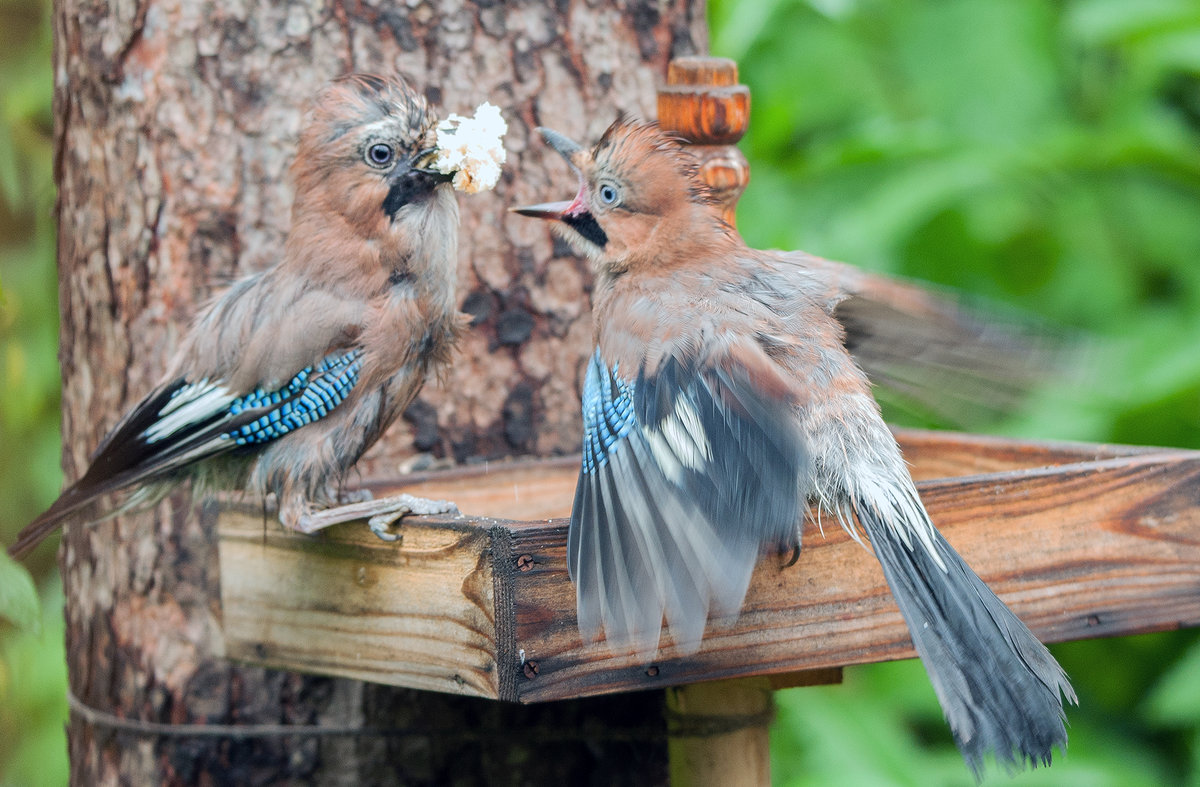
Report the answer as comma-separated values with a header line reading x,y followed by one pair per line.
x,y
176,121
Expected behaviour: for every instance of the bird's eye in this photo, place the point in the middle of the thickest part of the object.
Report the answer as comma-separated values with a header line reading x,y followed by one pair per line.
x,y
608,193
380,155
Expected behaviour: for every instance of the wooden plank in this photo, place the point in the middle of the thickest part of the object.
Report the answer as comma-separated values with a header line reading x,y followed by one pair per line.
x,y
418,612
544,488
485,607
938,454
1090,549
530,489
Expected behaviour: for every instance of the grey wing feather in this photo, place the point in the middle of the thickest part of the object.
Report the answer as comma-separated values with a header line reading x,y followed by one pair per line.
x,y
678,492
933,351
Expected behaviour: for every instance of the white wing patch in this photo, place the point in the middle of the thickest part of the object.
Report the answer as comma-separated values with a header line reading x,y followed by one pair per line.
x,y
191,404
679,441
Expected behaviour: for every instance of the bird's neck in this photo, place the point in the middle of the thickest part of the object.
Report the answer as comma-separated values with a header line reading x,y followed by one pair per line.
x,y
417,249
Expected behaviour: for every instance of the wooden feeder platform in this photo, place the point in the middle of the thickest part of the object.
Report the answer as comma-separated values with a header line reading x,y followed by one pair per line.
x,y
1080,540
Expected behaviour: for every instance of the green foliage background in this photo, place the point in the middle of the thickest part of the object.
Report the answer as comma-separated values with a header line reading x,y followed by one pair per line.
x,y
1040,154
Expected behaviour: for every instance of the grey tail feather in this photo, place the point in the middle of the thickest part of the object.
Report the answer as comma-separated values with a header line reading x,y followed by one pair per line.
x,y
80,498
998,686
69,502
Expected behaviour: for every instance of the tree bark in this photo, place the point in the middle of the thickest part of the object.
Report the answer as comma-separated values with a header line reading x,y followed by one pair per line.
x,y
176,122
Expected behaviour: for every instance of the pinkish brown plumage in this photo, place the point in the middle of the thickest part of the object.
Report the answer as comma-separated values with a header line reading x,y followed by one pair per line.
x,y
722,399
288,377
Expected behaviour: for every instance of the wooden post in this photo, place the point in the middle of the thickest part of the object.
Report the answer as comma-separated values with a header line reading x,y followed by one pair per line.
x,y
703,103
718,733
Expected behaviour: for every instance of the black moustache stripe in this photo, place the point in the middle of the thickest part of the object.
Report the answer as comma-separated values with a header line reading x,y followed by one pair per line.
x,y
412,185
585,224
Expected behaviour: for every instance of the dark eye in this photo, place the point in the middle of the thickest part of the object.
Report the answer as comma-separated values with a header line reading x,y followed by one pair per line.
x,y
380,155
608,193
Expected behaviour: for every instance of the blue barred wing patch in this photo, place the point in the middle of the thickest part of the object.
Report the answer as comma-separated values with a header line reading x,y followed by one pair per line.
x,y
309,396
607,413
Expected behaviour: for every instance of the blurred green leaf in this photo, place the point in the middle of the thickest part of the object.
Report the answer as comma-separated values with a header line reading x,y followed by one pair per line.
x,y
1175,700
33,699
18,597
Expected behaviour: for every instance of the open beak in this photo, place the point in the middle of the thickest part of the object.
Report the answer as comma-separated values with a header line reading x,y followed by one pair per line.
x,y
570,151
575,214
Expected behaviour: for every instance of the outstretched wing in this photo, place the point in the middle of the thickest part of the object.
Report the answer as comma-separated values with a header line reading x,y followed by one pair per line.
x,y
931,350
184,422
687,471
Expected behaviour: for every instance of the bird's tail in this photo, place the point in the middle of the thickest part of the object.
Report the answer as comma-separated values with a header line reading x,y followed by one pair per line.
x,y
999,687
72,500
81,501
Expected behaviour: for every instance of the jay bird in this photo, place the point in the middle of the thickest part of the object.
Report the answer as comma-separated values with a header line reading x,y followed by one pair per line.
x,y
288,377
721,398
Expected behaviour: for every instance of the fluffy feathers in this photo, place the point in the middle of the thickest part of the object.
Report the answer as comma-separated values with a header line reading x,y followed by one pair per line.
x,y
287,378
723,398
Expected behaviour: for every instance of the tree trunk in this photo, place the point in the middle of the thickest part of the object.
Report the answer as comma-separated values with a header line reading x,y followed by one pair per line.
x,y
176,121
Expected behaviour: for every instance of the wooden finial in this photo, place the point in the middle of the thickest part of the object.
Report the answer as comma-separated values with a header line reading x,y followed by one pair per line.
x,y
703,103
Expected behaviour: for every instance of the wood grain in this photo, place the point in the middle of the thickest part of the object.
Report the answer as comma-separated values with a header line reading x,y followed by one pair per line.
x,y
1090,548
703,103
418,613
719,733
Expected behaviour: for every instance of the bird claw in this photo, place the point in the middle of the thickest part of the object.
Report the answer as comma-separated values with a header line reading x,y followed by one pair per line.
x,y
401,506
380,522
380,514
790,548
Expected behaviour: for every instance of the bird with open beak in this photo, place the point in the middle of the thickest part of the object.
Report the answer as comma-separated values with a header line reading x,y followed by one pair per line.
x,y
721,400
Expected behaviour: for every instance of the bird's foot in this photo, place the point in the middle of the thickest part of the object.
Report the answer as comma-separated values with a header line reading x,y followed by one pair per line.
x,y
789,550
402,505
380,514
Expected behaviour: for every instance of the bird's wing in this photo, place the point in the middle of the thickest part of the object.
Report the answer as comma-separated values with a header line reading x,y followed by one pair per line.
x,y
186,421
688,469
930,349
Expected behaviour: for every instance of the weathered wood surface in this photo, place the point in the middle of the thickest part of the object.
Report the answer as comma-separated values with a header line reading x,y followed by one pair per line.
x,y
1106,544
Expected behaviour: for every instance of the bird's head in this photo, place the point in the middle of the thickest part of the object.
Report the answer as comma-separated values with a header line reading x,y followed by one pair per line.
x,y
364,154
639,199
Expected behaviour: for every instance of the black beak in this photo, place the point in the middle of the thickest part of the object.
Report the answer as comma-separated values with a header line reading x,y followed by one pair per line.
x,y
423,163
410,181
569,150
544,210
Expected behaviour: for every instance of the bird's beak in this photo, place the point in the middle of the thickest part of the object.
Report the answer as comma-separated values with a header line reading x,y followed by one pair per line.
x,y
544,210
423,163
570,151
565,147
